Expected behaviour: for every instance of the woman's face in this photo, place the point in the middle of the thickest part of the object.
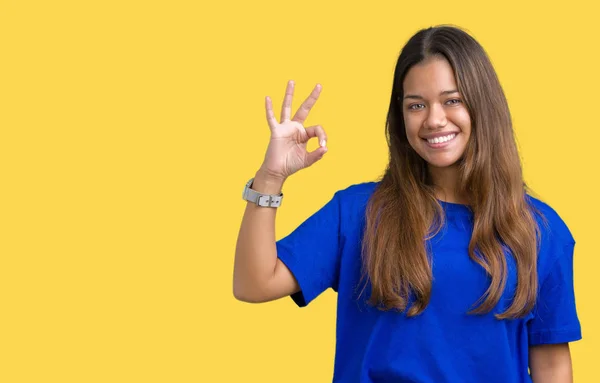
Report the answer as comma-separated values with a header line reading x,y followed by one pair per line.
x,y
437,122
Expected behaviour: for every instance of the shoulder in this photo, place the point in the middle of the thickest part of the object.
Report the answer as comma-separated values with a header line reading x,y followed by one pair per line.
x,y
358,190
556,241
552,226
356,195
352,202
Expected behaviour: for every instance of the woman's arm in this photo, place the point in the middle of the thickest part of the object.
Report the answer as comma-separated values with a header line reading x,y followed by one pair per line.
x,y
258,275
551,363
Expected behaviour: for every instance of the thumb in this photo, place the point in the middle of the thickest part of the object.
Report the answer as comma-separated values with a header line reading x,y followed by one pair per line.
x,y
315,155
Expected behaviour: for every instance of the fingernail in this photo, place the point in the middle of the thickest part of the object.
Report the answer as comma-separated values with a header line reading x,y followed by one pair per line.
x,y
323,143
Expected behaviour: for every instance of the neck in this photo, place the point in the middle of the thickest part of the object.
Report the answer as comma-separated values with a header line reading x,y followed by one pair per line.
x,y
445,181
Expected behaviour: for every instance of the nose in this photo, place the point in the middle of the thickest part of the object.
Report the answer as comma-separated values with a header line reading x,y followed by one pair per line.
x,y
436,117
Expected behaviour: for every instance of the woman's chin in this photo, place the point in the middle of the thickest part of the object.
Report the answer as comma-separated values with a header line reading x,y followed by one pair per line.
x,y
442,162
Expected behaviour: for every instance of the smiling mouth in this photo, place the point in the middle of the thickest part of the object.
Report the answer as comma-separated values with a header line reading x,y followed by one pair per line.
x,y
441,140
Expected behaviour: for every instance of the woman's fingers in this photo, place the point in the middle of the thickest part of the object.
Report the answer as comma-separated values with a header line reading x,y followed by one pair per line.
x,y
307,105
315,155
286,108
319,132
270,116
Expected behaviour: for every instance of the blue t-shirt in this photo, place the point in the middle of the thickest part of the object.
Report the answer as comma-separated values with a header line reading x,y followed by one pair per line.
x,y
443,343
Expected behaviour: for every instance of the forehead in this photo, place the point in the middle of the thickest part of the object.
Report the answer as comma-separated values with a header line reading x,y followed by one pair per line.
x,y
432,75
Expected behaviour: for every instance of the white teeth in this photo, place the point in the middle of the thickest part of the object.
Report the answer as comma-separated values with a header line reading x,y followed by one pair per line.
x,y
438,140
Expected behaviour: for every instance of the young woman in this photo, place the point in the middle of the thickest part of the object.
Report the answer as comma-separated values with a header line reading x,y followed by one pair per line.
x,y
446,269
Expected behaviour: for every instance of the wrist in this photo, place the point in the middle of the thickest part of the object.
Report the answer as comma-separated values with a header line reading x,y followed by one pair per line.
x,y
267,183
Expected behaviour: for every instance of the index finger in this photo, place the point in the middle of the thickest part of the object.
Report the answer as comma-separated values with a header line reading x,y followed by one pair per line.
x,y
307,105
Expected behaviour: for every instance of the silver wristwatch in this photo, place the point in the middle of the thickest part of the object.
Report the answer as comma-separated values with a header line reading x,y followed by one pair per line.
x,y
264,200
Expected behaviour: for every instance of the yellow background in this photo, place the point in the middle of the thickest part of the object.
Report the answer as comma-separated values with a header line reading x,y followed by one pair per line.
x,y
128,129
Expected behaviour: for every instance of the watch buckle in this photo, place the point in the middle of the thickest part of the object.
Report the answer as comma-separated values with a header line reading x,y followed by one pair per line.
x,y
261,200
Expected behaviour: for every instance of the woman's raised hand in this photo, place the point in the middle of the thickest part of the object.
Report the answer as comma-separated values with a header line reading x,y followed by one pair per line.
x,y
286,153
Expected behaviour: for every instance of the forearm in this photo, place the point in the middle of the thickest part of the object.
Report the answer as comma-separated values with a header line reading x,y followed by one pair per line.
x,y
256,254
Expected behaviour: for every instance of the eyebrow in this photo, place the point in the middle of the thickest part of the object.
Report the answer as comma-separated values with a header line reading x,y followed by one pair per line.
x,y
416,96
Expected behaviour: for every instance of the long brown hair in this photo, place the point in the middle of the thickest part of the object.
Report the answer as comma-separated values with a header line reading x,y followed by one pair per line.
x,y
403,211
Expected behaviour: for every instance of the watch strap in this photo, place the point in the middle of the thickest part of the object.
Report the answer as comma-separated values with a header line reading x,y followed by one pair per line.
x,y
261,199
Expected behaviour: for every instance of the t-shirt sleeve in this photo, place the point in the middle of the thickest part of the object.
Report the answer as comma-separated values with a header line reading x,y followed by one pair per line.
x,y
312,252
555,316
